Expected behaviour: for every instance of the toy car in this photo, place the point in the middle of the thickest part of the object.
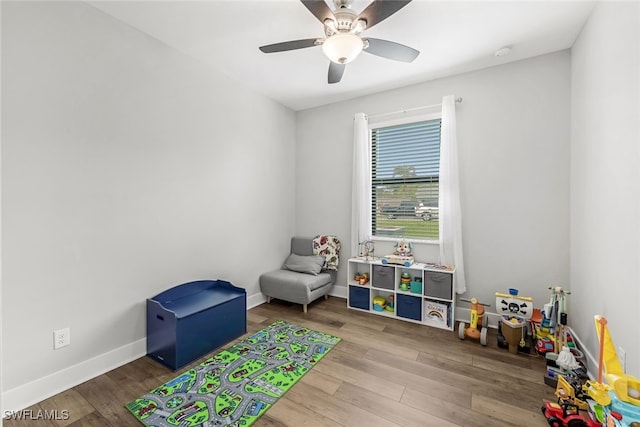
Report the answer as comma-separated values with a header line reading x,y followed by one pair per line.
x,y
544,345
566,415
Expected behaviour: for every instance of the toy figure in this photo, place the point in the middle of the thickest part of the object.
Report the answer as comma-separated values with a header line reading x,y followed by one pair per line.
x,y
403,248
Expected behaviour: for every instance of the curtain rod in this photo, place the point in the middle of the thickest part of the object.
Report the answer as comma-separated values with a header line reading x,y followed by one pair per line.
x,y
458,101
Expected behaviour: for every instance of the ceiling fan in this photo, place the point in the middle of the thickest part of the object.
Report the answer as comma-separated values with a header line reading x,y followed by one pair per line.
x,y
342,27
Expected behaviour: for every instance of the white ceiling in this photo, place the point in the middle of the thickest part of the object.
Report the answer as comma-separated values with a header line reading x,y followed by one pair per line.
x,y
452,36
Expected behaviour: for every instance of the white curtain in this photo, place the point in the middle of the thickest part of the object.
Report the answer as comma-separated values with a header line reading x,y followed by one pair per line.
x,y
360,196
449,202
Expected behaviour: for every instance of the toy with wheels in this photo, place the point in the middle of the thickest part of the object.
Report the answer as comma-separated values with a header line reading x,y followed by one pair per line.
x,y
478,319
566,415
569,391
401,255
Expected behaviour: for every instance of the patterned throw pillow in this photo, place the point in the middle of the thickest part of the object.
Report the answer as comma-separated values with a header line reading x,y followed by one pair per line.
x,y
329,248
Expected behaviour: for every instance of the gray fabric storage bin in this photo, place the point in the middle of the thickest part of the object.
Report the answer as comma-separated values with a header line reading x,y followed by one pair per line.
x,y
438,285
383,277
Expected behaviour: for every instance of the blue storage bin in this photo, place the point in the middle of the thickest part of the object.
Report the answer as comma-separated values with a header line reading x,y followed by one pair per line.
x,y
359,297
409,307
190,320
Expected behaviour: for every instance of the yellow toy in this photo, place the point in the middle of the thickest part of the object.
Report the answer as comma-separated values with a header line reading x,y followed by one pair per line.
x,y
379,303
567,394
597,390
625,386
478,318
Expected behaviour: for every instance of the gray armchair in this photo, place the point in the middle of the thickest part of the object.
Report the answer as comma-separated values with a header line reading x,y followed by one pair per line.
x,y
301,279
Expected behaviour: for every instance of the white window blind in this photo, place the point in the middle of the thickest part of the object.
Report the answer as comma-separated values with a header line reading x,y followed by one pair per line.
x,y
405,180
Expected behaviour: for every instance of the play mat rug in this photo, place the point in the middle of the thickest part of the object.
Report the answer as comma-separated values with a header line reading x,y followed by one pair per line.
x,y
237,385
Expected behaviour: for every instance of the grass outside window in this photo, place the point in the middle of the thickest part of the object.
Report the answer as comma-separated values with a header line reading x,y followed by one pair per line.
x,y
406,228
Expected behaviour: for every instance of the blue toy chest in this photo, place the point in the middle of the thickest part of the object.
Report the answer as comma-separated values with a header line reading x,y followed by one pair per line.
x,y
190,320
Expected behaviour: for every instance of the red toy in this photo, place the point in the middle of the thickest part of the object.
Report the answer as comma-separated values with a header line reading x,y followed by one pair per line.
x,y
544,346
566,415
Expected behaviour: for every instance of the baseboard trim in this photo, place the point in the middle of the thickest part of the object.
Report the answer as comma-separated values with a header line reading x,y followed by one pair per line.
x,y
339,291
38,390
590,361
463,314
256,300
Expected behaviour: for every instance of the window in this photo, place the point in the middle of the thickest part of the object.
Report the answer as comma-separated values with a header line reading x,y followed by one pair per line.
x,y
405,166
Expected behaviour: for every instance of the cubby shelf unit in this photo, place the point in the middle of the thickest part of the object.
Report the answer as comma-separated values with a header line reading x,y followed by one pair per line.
x,y
428,300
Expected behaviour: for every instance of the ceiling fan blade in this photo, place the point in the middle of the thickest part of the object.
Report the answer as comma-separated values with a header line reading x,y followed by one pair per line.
x,y
319,9
335,72
379,10
391,50
290,45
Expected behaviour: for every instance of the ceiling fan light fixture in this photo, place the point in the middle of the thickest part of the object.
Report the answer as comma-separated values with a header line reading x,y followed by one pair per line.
x,y
331,26
342,48
358,26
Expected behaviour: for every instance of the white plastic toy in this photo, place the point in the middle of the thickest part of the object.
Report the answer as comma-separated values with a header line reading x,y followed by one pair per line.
x,y
402,255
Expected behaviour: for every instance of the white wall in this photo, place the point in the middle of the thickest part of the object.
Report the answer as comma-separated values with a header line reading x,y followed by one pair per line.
x,y
513,134
605,178
127,168
1,320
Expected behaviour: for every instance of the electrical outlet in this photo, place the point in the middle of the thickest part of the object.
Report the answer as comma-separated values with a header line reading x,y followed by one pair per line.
x,y
61,338
623,358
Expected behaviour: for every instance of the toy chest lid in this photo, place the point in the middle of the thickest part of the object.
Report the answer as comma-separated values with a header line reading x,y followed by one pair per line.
x,y
514,306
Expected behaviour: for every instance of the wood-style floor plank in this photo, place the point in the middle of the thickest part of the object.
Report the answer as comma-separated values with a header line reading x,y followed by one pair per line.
x,y
288,413
388,409
73,402
384,372
453,411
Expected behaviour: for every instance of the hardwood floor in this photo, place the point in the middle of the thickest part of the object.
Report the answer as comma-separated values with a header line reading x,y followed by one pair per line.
x,y
384,372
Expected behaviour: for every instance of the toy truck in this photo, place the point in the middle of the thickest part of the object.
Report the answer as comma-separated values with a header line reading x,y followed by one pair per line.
x,y
566,415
